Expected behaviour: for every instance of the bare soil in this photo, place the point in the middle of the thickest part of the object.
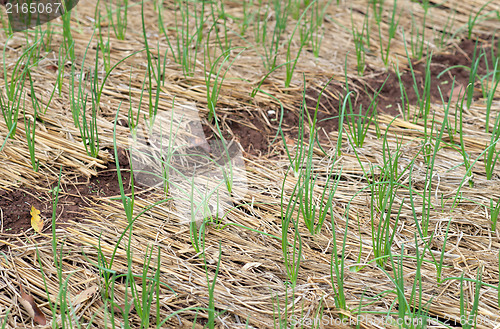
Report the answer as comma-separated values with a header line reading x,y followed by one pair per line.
x,y
73,198
255,134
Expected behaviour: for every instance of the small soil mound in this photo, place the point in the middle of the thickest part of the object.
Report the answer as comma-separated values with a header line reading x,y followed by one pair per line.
x,y
254,133
389,100
16,204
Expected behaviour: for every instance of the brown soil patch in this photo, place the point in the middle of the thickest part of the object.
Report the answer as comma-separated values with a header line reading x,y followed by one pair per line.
x,y
254,133
461,55
15,205
389,100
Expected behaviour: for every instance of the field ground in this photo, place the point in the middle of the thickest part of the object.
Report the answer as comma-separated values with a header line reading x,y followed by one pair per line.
x,y
341,155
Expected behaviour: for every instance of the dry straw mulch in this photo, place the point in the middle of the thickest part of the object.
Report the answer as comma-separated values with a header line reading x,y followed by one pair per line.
x,y
252,276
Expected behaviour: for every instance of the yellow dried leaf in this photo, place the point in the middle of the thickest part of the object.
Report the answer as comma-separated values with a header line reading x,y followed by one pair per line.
x,y
36,220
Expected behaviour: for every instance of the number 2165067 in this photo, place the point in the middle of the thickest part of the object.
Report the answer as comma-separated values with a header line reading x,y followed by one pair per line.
x,y
33,8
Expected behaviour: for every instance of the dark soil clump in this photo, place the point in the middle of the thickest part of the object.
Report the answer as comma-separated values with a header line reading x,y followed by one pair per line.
x,y
389,101
255,134
15,205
